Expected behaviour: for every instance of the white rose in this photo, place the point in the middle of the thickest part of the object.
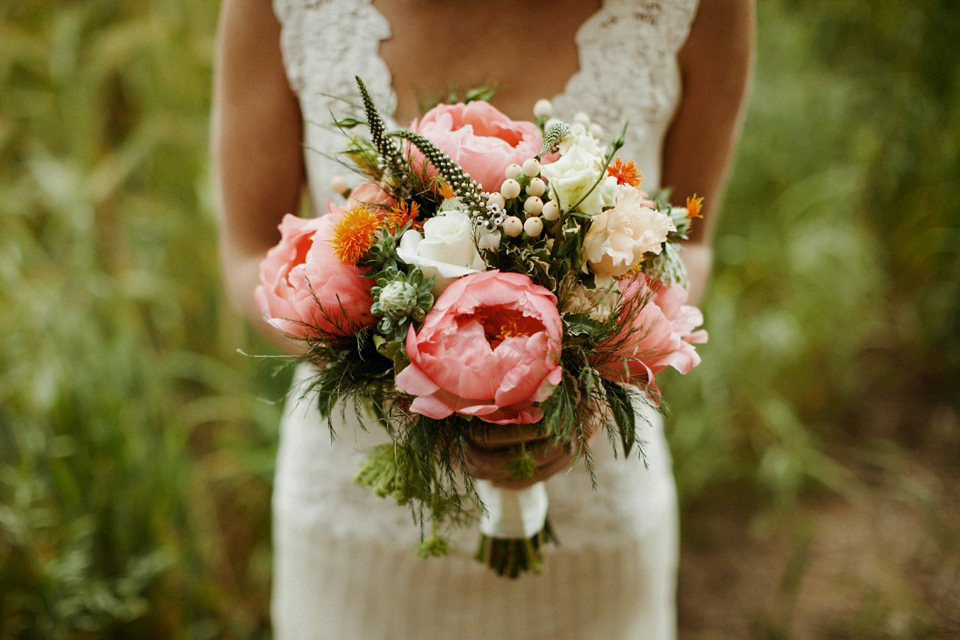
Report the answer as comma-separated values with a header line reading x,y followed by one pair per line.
x,y
446,250
575,173
619,237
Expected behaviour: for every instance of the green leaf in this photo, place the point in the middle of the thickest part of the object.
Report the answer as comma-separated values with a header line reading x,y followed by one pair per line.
x,y
618,399
578,324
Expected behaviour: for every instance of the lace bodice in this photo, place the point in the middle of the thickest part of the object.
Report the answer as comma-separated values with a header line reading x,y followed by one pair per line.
x,y
628,69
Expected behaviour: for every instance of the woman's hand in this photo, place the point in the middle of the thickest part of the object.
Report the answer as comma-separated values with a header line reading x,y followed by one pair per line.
x,y
490,451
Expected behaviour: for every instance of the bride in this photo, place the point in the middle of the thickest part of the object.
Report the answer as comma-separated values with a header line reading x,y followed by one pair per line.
x,y
344,566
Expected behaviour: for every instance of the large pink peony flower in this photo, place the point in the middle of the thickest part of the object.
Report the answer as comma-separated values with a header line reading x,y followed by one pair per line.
x,y
661,334
489,348
303,285
479,138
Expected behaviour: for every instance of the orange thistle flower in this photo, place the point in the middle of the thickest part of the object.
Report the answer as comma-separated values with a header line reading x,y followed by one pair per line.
x,y
626,173
694,206
400,214
354,233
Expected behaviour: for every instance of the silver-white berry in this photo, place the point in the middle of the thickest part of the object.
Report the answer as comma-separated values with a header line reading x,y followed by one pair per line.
x,y
533,227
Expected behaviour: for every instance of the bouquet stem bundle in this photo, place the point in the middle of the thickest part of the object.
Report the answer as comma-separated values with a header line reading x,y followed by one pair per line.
x,y
510,557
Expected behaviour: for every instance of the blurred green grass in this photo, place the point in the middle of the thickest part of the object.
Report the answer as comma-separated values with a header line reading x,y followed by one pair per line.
x,y
136,445
837,281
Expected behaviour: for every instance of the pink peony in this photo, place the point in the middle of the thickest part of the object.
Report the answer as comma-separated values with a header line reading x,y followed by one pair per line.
x,y
661,335
303,285
479,138
369,193
489,348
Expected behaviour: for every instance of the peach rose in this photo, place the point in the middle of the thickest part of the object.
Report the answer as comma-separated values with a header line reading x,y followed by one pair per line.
x,y
303,286
489,348
661,335
479,138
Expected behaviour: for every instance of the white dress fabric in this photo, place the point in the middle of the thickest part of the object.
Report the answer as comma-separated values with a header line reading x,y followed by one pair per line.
x,y
344,565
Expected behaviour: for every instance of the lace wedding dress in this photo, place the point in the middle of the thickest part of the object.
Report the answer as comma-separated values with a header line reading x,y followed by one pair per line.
x,y
344,564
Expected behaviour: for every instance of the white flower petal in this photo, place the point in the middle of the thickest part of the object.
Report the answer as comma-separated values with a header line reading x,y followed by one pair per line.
x,y
445,252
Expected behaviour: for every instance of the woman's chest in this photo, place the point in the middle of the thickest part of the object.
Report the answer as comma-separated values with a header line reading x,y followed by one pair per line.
x,y
525,50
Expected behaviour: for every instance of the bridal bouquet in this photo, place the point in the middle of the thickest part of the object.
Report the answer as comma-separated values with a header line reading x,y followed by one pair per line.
x,y
487,272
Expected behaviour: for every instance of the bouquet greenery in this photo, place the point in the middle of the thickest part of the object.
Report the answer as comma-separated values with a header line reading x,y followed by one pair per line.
x,y
486,272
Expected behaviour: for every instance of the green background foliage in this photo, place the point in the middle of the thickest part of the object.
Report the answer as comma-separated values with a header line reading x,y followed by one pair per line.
x,y
137,445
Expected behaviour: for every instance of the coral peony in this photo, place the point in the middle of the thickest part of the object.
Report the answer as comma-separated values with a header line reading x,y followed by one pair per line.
x,y
479,138
370,193
304,259
489,348
662,334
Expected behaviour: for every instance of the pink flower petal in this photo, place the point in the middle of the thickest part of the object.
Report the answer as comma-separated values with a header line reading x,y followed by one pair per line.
x,y
431,406
415,382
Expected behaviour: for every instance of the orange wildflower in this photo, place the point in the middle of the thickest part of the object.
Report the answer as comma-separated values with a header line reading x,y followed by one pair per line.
x,y
444,189
354,233
400,214
694,206
626,173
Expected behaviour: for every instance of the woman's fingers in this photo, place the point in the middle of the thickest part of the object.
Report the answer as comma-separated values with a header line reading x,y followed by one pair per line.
x,y
494,465
489,452
495,459
505,436
551,468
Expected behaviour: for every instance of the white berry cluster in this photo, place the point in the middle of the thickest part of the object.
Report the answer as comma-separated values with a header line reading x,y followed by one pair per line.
x,y
524,191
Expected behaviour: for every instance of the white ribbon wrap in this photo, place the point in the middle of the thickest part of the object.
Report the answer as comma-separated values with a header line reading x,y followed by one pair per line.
x,y
512,514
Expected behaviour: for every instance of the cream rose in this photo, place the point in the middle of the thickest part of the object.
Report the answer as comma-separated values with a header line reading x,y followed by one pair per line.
x,y
575,173
618,237
446,251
